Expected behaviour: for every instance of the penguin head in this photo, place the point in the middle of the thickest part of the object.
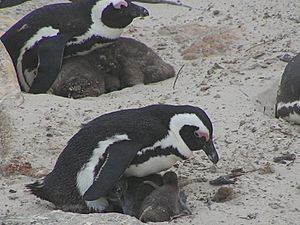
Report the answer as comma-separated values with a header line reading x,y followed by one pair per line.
x,y
195,129
118,14
170,178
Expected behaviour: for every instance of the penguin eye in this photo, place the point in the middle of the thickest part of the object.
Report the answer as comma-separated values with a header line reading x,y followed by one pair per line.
x,y
196,134
203,136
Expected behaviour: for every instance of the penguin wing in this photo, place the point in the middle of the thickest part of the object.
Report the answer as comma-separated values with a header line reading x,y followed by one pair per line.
x,y
50,57
119,156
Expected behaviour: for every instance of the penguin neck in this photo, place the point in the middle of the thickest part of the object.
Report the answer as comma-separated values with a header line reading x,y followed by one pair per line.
x,y
98,27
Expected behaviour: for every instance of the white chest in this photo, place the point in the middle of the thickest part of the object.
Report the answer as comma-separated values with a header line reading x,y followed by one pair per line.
x,y
151,166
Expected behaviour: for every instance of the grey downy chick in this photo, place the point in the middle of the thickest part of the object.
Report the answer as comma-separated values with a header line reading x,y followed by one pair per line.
x,y
130,192
164,203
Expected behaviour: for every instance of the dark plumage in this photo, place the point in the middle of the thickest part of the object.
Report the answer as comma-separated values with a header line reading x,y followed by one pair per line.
x,y
164,202
38,42
124,63
288,97
132,142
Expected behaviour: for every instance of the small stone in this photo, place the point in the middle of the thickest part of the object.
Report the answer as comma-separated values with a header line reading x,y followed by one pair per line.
x,y
223,194
257,55
242,122
205,88
285,57
267,168
12,191
216,12
275,205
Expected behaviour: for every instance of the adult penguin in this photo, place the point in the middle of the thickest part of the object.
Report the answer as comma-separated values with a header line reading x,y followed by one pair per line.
x,y
132,142
38,42
288,96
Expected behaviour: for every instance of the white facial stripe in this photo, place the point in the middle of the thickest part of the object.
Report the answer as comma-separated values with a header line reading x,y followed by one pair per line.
x,y
171,140
98,28
39,35
292,117
179,120
153,165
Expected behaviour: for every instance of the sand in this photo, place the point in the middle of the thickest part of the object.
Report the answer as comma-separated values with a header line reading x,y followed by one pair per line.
x,y
230,51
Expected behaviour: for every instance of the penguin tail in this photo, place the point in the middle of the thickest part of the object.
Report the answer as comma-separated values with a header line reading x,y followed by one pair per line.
x,y
38,189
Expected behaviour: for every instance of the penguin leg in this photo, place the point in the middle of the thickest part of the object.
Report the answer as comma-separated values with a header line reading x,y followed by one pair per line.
x,y
119,156
50,57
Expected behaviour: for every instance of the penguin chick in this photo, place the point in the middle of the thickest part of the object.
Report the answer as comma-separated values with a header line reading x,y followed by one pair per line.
x,y
131,142
129,194
38,43
164,202
124,63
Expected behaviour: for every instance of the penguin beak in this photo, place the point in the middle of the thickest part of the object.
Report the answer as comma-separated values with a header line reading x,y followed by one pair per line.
x,y
211,152
137,11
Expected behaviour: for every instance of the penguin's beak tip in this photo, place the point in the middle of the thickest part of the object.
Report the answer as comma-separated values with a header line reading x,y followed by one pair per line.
x,y
138,11
144,13
214,158
211,152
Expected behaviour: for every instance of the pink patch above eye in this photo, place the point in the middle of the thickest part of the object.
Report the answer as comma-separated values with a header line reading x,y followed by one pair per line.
x,y
202,134
119,3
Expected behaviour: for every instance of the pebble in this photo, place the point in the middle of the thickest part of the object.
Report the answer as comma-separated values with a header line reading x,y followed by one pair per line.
x,y
223,194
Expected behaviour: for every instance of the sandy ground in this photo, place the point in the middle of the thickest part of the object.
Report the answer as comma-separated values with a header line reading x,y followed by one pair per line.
x,y
230,50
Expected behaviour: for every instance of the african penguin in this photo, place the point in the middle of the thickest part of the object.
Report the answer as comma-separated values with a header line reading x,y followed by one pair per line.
x,y
132,142
38,42
288,97
10,3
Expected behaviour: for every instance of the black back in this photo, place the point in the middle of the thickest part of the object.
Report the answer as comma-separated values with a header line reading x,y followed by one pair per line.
x,y
290,82
67,17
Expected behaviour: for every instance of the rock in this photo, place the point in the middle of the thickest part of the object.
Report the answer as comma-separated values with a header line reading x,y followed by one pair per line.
x,y
267,168
285,57
10,93
124,63
285,157
5,135
223,194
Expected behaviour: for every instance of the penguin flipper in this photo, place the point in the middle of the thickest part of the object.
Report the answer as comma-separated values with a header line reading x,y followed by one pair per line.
x,y
119,156
50,57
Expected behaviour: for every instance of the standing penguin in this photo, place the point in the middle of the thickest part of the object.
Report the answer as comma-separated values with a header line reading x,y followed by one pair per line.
x,y
288,97
38,42
133,142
